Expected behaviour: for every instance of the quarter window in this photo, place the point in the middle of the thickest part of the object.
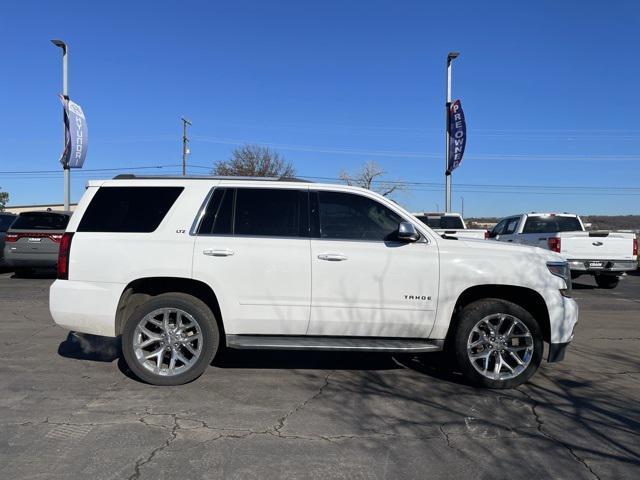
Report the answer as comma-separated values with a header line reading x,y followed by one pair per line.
x,y
128,209
355,217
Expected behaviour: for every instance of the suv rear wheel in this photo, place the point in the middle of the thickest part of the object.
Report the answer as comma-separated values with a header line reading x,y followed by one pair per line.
x,y
170,339
498,344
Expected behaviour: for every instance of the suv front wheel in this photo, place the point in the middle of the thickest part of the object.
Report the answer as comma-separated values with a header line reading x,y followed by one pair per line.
x,y
170,339
498,344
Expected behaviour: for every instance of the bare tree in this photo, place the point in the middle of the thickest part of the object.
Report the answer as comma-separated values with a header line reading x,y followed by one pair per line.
x,y
4,199
255,161
368,177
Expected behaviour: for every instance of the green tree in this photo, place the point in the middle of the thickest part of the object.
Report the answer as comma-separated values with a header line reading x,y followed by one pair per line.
x,y
254,161
4,199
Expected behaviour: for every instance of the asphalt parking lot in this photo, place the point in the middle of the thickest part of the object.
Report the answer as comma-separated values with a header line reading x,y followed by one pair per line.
x,y
70,409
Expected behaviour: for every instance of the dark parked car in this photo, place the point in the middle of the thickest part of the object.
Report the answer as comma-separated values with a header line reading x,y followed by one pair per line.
x,y
33,240
6,219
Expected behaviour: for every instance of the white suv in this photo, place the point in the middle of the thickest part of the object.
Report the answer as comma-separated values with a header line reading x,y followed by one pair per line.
x,y
180,266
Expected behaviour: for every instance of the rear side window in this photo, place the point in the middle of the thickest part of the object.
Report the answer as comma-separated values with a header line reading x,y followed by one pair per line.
x,y
264,212
354,217
40,221
219,214
128,209
551,224
271,212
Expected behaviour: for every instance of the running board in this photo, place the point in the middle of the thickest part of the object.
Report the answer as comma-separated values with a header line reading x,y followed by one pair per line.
x,y
345,344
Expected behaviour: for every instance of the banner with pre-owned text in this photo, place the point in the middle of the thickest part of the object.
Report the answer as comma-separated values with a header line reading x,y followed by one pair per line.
x,y
457,135
76,136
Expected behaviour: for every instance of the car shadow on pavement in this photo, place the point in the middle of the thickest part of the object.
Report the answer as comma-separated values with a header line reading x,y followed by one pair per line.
x,y
94,348
303,360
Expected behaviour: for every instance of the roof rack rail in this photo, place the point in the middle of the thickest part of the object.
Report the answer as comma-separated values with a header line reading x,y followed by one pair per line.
x,y
131,176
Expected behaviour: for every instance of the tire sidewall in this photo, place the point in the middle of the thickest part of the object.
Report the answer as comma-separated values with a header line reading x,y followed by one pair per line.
x,y
475,312
203,316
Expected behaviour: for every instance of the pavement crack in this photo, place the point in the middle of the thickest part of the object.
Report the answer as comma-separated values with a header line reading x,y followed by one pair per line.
x,y
144,461
534,405
448,440
276,430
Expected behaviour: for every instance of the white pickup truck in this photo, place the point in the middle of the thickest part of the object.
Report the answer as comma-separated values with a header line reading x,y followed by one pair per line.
x,y
450,224
603,254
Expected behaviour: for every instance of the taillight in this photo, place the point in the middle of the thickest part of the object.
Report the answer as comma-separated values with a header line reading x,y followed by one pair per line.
x,y
554,244
56,238
63,256
11,237
635,247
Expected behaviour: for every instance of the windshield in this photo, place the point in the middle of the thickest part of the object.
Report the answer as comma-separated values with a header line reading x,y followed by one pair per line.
x,y
40,221
5,221
551,224
446,223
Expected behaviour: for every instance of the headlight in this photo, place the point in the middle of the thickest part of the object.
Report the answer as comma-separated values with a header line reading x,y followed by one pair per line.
x,y
561,269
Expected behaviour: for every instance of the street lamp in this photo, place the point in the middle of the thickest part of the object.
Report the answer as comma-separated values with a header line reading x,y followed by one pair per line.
x,y
451,56
67,177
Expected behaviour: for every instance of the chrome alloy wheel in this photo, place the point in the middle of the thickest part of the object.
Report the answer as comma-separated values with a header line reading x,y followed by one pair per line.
x,y
500,346
167,341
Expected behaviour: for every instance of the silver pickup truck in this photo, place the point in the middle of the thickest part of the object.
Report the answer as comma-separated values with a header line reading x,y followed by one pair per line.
x,y
603,254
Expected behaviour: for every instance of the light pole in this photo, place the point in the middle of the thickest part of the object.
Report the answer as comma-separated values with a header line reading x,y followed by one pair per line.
x,y
185,145
65,95
462,212
447,174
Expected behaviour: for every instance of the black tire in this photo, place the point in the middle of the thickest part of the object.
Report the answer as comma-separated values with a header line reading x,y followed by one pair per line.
x,y
467,320
23,272
607,281
205,320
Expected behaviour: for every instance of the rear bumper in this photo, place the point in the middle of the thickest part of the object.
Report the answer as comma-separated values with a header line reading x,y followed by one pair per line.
x,y
87,307
26,260
583,265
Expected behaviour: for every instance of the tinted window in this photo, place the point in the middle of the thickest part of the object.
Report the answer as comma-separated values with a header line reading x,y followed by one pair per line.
x,y
40,221
5,221
128,209
551,224
447,223
219,215
354,217
271,212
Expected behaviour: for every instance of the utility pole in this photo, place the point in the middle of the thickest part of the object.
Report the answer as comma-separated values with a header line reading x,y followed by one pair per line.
x,y
185,145
447,174
462,212
65,95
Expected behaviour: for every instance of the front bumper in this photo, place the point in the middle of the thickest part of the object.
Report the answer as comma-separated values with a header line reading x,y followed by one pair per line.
x,y
584,265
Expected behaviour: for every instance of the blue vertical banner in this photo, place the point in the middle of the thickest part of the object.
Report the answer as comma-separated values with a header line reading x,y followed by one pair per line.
x,y
76,135
457,135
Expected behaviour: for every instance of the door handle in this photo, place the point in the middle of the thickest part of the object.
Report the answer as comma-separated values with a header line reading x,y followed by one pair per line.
x,y
223,252
332,257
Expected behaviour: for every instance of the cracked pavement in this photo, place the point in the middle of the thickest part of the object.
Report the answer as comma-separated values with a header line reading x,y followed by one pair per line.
x,y
70,409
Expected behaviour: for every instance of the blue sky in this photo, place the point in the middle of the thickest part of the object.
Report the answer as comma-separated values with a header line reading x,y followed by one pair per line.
x,y
550,90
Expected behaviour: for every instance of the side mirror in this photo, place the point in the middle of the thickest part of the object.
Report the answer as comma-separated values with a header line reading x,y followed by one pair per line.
x,y
407,232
